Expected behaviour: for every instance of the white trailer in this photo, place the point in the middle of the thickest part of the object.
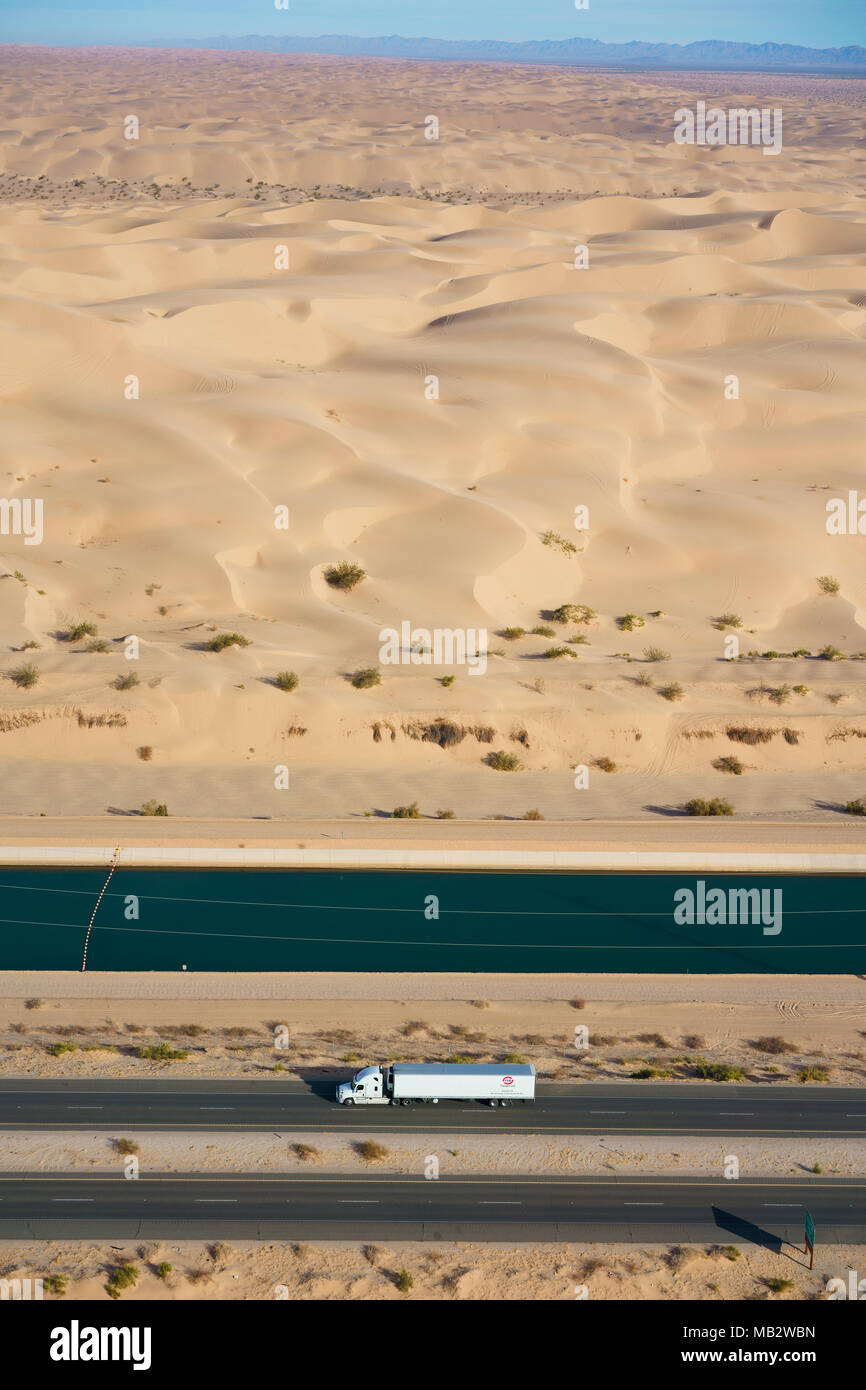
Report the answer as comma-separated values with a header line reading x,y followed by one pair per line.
x,y
426,1083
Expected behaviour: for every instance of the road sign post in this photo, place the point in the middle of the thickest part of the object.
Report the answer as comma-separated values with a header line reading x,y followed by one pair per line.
x,y
810,1239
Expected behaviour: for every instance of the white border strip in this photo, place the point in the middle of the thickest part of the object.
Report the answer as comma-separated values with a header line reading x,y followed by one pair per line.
x,y
322,857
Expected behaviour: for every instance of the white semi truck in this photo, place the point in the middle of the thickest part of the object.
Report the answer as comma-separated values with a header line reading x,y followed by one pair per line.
x,y
426,1083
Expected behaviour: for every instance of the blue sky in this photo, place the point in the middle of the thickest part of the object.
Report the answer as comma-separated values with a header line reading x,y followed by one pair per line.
x,y
832,23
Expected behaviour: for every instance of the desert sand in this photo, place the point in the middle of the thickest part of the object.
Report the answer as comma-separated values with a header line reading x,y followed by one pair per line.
x,y
771,1027
340,1271
283,262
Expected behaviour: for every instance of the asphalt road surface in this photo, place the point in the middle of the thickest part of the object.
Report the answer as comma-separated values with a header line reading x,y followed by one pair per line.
x,y
763,1211
284,1106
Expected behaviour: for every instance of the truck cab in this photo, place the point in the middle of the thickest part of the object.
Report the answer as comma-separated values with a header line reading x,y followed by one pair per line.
x,y
367,1087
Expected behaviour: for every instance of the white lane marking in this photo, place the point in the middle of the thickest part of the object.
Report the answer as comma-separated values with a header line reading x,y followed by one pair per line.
x,y
607,1112
229,1200
72,1199
643,1204
736,1112
360,1202
782,1204
500,1204
217,1107
82,1107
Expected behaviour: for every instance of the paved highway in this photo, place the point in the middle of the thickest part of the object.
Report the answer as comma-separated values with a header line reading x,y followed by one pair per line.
x,y
763,1211
284,1106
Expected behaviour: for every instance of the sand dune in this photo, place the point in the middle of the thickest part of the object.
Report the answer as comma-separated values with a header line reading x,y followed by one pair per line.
x,y
291,272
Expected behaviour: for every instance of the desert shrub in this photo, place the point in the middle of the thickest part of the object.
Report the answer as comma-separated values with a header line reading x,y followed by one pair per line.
x,y
727,620
656,654
77,631
447,681
694,1040
604,764
774,1045
674,691
33,1003
99,645
227,639
406,812
370,1150
286,680
126,1146
365,678
345,575
827,584
126,682
718,1071
831,653
162,1270
543,631
145,752
573,613
154,808
503,762
553,652
305,1152
25,676
404,1281
751,736
161,1052
443,814
514,1059
729,764
813,1073
55,1283
629,621
121,1277
577,1003
57,1049
777,1284
643,678
715,806
511,634
534,814
856,807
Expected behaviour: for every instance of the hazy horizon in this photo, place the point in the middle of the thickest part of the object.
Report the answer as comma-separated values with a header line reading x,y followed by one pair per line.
x,y
838,24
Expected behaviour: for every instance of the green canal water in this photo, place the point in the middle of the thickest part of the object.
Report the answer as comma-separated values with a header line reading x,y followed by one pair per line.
x,y
532,922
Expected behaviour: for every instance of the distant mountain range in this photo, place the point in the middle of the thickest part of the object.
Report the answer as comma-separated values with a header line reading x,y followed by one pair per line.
x,y
709,54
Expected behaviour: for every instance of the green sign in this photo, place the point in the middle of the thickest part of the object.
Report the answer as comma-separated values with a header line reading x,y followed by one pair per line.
x,y
810,1229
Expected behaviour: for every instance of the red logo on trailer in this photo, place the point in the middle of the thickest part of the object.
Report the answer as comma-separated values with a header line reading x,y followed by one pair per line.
x,y
508,1080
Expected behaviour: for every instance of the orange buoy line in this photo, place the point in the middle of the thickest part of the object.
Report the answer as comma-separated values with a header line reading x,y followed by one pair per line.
x,y
96,908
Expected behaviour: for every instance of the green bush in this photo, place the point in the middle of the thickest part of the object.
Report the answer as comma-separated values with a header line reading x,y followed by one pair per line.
x,y
126,682
365,678
503,762
554,652
718,1071
674,691
79,630
25,676
163,1270
629,621
573,613
827,584
406,812
345,575
511,634
227,639
154,808
404,1281
286,680
57,1049
729,764
55,1283
716,806
161,1052
813,1073
120,1278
